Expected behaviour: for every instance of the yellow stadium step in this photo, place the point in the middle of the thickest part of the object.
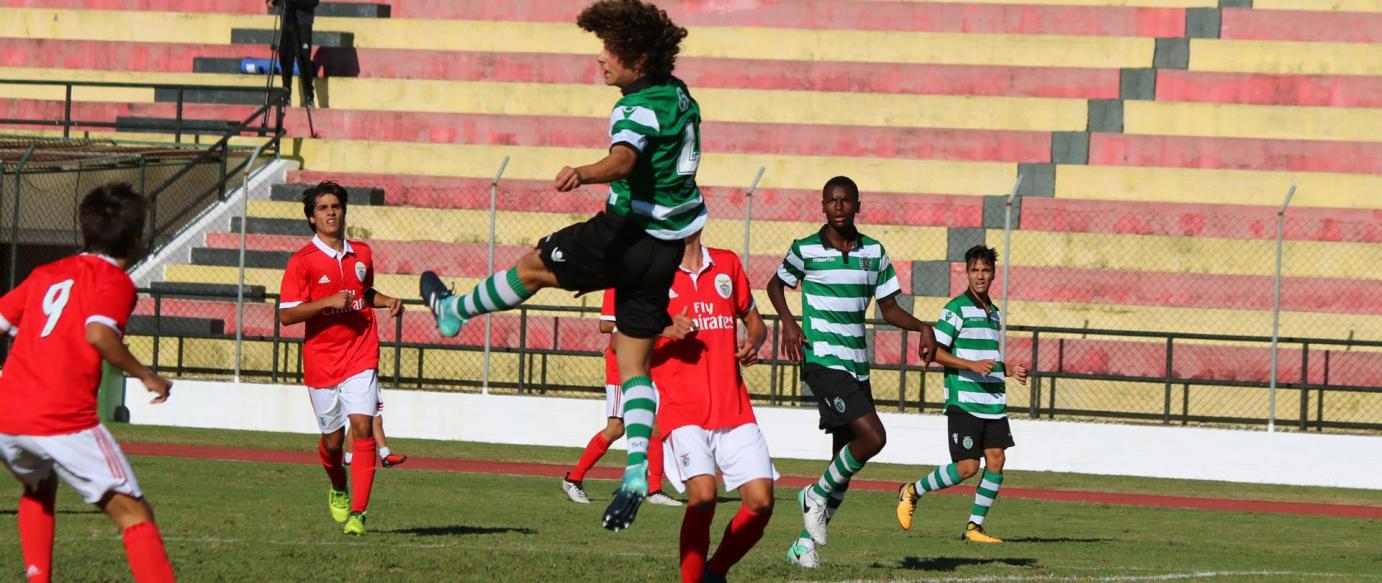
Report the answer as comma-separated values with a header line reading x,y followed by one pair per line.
x,y
1354,124
1290,58
1331,5
530,37
591,100
730,170
1316,189
1161,254
770,238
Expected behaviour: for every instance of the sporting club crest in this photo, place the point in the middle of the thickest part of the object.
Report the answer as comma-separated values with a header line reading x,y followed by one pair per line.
x,y
839,405
864,263
969,442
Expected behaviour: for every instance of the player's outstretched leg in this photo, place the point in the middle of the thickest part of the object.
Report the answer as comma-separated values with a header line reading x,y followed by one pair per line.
x,y
36,527
984,496
909,493
501,291
640,408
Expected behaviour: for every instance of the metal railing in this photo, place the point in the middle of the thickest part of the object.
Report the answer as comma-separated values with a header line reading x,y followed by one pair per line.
x,y
903,386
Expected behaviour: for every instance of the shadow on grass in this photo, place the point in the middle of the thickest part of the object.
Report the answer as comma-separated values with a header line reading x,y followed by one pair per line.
x,y
1060,539
459,530
952,563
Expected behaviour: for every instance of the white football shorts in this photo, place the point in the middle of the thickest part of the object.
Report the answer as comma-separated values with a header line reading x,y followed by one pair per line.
x,y
740,453
89,461
357,395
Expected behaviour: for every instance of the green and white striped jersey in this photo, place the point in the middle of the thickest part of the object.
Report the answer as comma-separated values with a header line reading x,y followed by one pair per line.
x,y
662,122
836,289
968,332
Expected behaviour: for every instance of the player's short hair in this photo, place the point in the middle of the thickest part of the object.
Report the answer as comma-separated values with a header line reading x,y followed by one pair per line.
x,y
841,182
634,30
981,253
310,196
112,220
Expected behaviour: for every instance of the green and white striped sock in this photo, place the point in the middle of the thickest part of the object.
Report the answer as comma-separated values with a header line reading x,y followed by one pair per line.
x,y
839,471
498,292
837,497
640,408
984,495
944,477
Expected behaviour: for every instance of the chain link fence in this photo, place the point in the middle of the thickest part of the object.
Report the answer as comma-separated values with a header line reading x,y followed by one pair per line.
x,y
1138,323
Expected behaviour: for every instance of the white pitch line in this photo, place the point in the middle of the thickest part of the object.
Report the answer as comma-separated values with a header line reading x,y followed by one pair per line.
x,y
1161,577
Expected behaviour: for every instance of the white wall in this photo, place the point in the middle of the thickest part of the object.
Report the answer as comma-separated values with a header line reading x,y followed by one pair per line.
x,y
1093,448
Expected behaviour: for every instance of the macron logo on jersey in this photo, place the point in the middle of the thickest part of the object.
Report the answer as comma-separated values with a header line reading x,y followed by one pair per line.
x,y
324,279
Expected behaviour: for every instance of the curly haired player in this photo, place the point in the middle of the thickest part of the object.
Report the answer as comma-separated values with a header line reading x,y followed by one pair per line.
x,y
635,244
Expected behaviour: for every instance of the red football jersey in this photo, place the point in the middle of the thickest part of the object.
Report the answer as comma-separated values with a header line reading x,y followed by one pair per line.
x,y
611,363
340,343
50,379
698,377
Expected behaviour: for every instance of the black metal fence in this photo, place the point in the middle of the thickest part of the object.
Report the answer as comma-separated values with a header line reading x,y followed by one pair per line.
x,y
1079,374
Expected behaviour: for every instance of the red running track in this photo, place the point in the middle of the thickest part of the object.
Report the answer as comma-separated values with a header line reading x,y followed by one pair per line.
x,y
806,14
607,473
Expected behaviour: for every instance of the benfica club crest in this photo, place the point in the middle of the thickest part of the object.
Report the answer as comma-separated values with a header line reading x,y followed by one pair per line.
x,y
360,272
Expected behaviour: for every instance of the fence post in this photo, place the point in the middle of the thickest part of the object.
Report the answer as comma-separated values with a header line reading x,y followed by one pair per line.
x,y
1276,307
240,286
1007,258
14,225
1304,384
1166,408
748,213
902,377
67,114
489,318
1031,374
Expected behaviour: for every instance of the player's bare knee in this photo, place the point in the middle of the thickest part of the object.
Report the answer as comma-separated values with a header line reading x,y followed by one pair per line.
x,y
994,459
534,273
362,426
126,511
967,468
761,505
613,431
701,495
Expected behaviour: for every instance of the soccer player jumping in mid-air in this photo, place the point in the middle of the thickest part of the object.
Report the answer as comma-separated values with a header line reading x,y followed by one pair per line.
x,y
635,244
67,317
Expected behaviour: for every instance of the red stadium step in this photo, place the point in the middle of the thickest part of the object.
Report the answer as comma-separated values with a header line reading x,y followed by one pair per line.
x,y
1103,355
746,138
1181,290
1235,153
1300,25
1269,89
768,204
920,79
1200,220
573,132
471,260
803,14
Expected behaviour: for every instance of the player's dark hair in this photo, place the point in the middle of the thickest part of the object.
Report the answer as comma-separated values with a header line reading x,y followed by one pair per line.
x,y
310,196
112,220
635,30
981,253
844,182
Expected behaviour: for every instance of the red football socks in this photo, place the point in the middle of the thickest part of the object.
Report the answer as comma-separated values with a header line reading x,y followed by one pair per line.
x,y
333,464
695,543
362,474
36,535
655,462
144,548
593,451
742,533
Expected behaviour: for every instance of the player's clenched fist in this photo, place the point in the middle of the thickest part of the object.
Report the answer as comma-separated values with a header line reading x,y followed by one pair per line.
x,y
339,300
681,326
927,349
395,307
567,179
157,385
